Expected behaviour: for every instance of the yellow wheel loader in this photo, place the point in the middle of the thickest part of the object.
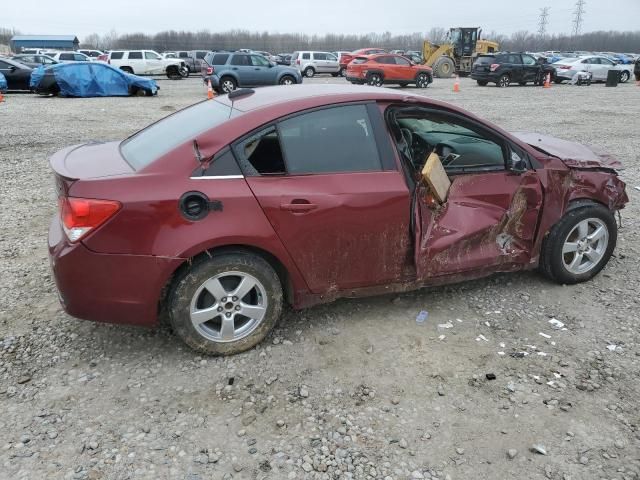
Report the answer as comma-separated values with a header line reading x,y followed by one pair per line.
x,y
458,54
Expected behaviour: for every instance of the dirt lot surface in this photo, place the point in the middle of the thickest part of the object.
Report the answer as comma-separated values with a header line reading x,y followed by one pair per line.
x,y
354,389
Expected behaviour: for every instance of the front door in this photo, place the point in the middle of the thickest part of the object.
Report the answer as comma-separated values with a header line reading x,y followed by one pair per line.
x,y
263,73
489,218
339,206
531,69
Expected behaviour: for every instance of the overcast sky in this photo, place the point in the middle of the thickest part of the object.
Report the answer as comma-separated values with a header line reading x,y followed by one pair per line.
x,y
324,16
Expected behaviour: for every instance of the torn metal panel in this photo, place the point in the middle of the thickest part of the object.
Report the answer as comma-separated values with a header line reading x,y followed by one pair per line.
x,y
490,219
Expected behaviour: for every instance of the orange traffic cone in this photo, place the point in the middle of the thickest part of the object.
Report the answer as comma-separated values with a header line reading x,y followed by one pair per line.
x,y
547,81
210,93
456,84
1,97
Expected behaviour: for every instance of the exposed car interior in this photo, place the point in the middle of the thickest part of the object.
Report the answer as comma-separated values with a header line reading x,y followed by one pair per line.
x,y
461,146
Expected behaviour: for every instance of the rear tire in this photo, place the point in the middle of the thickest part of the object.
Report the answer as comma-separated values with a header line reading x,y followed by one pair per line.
x,y
227,84
216,326
504,81
522,84
309,72
375,79
575,251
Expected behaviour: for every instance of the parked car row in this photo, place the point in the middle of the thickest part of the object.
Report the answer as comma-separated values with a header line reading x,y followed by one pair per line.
x,y
506,68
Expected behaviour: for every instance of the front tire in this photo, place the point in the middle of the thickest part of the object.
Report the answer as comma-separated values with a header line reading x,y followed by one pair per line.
x,y
579,245
226,304
287,80
423,80
482,83
343,72
624,76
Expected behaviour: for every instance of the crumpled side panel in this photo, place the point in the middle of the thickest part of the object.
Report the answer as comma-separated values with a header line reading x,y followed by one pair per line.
x,y
3,83
36,76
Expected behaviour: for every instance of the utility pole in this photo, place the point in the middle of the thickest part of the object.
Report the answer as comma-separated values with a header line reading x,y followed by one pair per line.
x,y
578,17
542,23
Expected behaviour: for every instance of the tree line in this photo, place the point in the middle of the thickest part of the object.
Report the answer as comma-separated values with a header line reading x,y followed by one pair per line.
x,y
614,41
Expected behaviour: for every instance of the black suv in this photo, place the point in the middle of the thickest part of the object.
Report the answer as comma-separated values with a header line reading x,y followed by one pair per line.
x,y
506,68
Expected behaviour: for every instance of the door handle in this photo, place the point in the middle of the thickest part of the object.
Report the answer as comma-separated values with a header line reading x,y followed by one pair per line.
x,y
256,68
234,68
301,206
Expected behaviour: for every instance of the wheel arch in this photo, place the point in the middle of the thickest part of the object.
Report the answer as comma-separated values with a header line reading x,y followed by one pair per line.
x,y
276,263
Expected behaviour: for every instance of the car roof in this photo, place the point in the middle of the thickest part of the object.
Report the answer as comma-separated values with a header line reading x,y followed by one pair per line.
x,y
316,96
15,63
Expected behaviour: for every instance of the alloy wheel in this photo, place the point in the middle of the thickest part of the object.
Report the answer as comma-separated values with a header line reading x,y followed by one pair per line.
x,y
228,307
375,80
504,81
585,246
228,86
286,81
423,81
624,77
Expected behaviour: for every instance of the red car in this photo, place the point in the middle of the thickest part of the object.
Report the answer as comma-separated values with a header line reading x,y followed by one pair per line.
x,y
222,213
377,70
346,58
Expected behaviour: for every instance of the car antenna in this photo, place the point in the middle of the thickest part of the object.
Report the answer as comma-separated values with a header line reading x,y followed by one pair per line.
x,y
239,93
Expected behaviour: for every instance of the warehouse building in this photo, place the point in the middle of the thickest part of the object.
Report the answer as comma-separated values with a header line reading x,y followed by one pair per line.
x,y
57,42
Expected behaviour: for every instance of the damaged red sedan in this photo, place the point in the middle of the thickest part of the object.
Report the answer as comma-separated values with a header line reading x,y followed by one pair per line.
x,y
223,212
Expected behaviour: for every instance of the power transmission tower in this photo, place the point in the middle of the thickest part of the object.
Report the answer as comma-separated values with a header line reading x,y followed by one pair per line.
x,y
578,17
542,23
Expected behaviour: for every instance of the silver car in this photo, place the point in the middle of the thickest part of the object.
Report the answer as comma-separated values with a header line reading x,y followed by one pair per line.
x,y
598,66
310,62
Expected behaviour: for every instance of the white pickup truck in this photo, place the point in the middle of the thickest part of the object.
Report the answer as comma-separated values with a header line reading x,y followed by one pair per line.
x,y
147,62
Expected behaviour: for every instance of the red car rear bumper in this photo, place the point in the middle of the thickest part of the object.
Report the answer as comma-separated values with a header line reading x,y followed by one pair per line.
x,y
104,287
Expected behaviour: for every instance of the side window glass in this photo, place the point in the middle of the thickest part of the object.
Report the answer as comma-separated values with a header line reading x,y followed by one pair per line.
x,y
261,154
240,60
306,56
135,55
331,140
220,59
116,55
527,60
402,61
461,145
319,56
200,55
259,61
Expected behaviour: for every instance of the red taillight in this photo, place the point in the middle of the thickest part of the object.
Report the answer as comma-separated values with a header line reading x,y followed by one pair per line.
x,y
81,215
209,70
494,67
298,61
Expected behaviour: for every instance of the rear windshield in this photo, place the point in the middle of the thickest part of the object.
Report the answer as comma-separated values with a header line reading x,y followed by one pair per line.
x,y
160,138
220,59
485,60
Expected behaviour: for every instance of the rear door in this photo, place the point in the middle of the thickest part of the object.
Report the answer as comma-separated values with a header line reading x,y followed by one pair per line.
x,y
320,61
605,66
137,62
514,63
332,191
241,66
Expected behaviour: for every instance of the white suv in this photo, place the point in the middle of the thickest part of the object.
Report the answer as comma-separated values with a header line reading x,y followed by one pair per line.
x,y
147,62
309,63
65,57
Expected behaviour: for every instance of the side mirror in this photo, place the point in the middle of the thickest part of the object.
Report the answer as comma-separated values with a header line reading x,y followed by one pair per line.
x,y
271,64
518,165
13,68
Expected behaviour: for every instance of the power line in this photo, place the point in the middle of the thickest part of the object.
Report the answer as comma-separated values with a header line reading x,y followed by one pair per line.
x,y
542,23
578,17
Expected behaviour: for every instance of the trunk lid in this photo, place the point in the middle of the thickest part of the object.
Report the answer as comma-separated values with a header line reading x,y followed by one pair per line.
x,y
90,160
572,154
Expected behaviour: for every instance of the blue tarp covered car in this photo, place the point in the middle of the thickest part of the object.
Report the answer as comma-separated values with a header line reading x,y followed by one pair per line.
x,y
3,83
89,79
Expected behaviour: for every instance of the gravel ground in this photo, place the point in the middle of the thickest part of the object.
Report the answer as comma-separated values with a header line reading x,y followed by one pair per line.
x,y
354,389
